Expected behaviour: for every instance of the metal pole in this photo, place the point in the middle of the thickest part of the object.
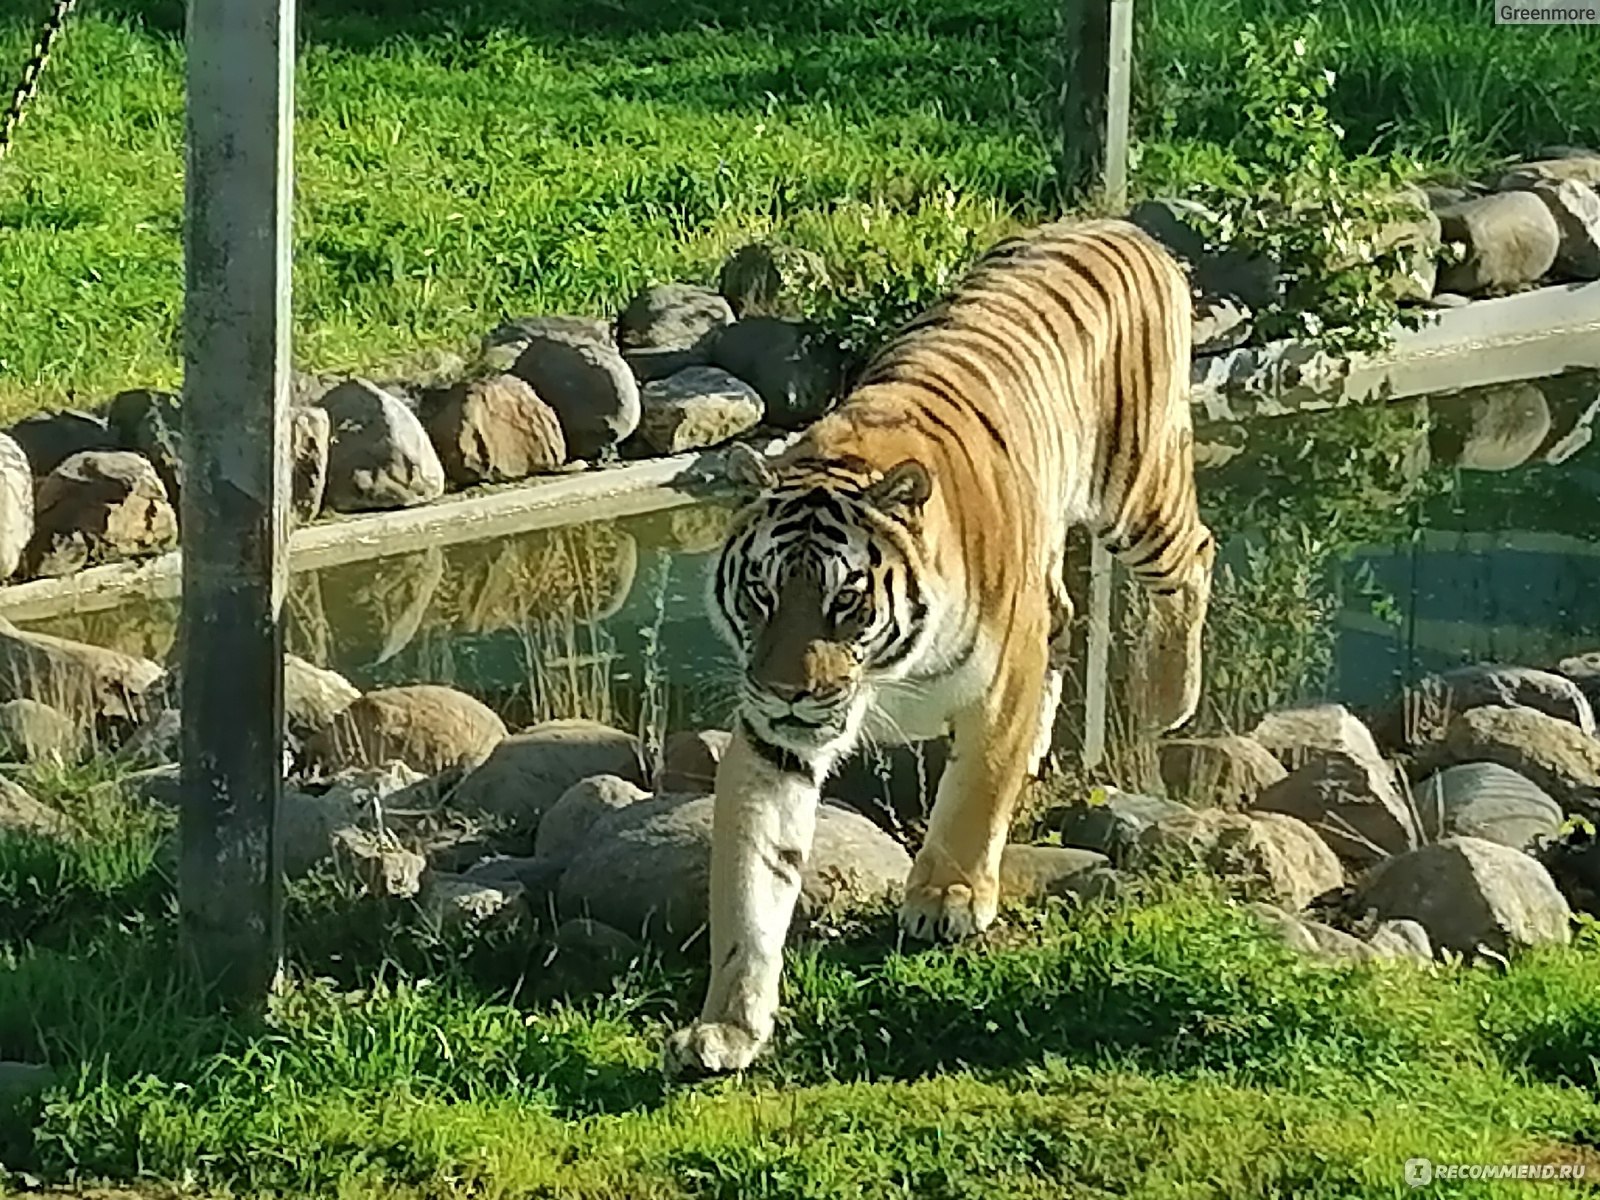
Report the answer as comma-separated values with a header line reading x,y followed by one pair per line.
x,y
1097,68
1119,74
236,491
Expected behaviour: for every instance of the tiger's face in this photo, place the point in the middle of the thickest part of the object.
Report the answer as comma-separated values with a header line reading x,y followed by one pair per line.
x,y
818,592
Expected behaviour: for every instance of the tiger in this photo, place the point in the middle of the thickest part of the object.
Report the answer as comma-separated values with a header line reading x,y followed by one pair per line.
x,y
900,575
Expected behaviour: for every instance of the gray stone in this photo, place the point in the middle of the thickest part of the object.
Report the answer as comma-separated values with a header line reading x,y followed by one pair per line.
x,y
538,878
1508,239
1401,939
1227,771
49,439
379,863
564,830
150,423
313,696
1253,280
1273,856
1555,755
380,457
455,901
97,507
1486,800
696,408
689,761
673,316
493,430
588,385
529,771
1220,323
310,443
21,813
1291,734
1035,872
1470,894
1576,208
797,368
646,870
33,732
80,680
1583,670
426,726
1423,710
1313,939
1352,800
1113,828
1580,167
156,742
16,505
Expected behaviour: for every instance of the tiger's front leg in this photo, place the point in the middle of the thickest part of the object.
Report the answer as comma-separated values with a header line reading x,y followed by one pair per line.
x,y
764,819
953,890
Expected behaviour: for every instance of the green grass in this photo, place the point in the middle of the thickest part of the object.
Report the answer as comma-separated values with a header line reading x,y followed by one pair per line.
x,y
460,161
1156,1046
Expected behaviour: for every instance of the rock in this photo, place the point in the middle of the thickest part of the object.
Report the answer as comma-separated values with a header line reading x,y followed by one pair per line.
x,y
384,867
689,761
538,878
1291,734
49,439
310,443
1401,939
1509,240
77,679
313,696
19,1080
33,732
1252,280
99,506
1113,828
1503,427
454,901
1583,670
1034,872
16,505
1220,323
529,771
564,830
647,868
1573,861
379,457
493,430
1582,167
504,344
21,813
1576,209
752,282
696,408
1468,893
1413,237
673,316
156,742
426,726
1351,799
1313,938
150,424
594,947
589,387
1271,854
1554,754
1424,709
1224,771
796,368
1486,800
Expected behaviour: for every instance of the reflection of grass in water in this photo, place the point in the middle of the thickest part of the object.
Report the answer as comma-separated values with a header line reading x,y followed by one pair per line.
x,y
569,665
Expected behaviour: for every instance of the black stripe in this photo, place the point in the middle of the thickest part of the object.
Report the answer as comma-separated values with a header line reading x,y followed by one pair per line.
x,y
776,757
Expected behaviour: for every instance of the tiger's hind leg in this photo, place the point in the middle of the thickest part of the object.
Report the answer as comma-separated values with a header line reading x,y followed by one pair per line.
x,y
953,890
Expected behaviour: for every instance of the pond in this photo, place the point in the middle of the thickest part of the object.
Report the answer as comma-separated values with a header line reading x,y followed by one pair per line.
x,y
1361,547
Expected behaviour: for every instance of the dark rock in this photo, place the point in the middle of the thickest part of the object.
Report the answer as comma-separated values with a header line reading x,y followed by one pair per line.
x,y
380,456
1114,827
428,727
798,370
674,316
150,423
49,439
1423,710
589,387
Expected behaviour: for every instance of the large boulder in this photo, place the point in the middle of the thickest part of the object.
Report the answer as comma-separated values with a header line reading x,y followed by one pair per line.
x,y
1114,826
380,456
689,760
646,870
1508,240
1424,710
1470,894
1486,800
1291,734
20,813
49,439
673,316
150,423
16,505
78,679
1555,754
96,507
428,727
1032,873
1352,799
1576,209
588,385
1272,856
528,772
493,430
1226,772
695,408
796,368
564,830
313,696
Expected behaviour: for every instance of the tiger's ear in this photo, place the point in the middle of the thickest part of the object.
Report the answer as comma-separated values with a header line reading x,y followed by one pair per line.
x,y
746,467
904,488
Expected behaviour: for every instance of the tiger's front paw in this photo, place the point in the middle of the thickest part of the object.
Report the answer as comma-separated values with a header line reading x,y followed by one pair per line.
x,y
948,912
710,1048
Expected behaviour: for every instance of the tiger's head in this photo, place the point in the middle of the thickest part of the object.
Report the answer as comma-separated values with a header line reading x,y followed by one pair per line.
x,y
819,591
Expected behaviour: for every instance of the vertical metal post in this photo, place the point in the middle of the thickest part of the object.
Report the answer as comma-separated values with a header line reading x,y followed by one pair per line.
x,y
1119,77
1097,69
236,493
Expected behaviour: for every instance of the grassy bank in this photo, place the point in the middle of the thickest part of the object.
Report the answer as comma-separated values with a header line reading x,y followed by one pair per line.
x,y
458,162
1155,1046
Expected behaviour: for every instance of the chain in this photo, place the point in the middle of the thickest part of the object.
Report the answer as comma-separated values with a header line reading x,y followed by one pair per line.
x,y
30,74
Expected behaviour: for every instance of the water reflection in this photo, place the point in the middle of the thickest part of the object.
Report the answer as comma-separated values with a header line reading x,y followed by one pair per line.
x,y
1361,548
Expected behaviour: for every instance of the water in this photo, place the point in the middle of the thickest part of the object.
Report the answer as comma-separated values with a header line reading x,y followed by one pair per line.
x,y
1360,548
